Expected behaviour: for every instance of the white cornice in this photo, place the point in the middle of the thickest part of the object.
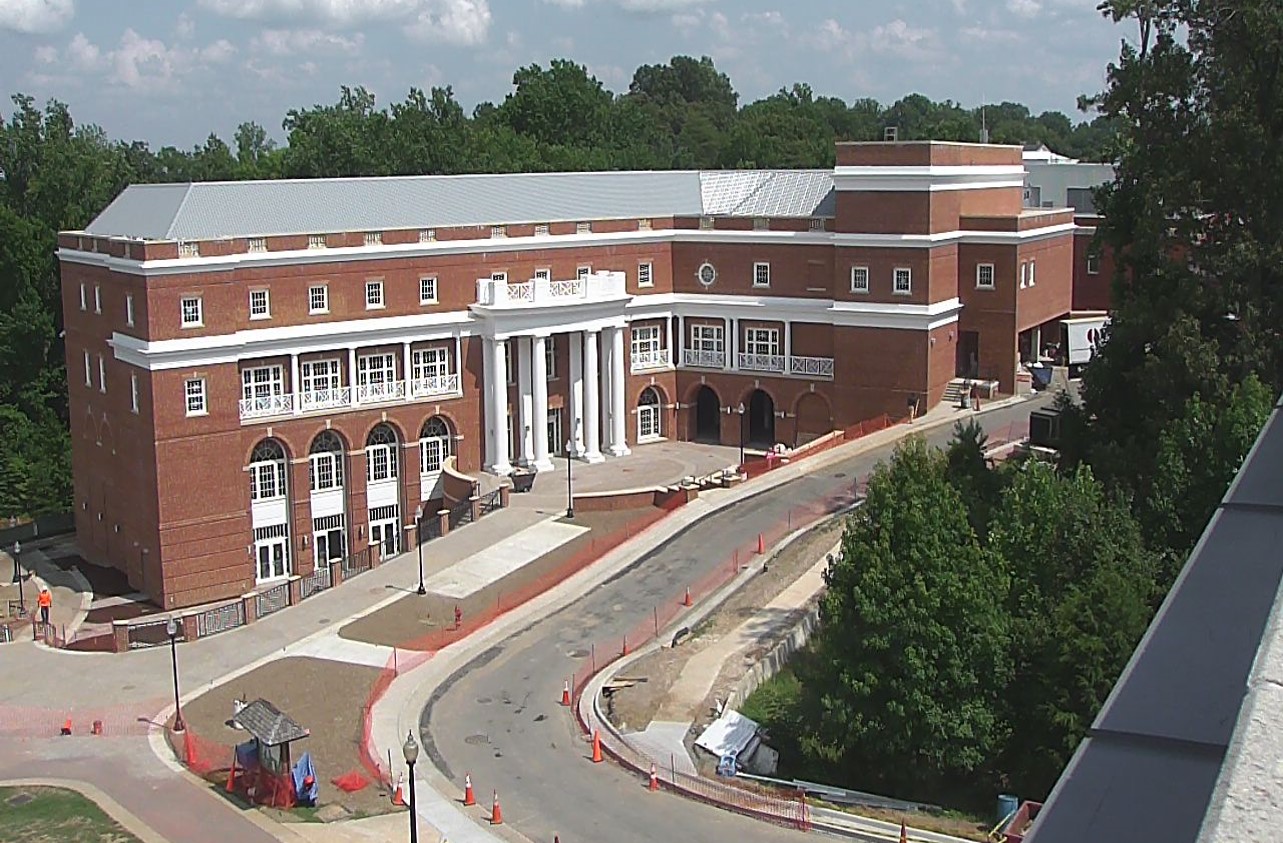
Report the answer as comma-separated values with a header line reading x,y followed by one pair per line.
x,y
304,257
927,179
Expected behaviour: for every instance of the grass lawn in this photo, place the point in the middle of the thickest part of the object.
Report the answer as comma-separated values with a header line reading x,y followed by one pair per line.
x,y
49,814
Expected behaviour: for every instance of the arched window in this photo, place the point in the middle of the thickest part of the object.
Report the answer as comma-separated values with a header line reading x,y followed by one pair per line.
x,y
649,416
434,445
381,454
267,471
325,462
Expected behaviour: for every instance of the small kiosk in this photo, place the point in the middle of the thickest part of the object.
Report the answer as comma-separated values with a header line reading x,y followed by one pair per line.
x,y
264,762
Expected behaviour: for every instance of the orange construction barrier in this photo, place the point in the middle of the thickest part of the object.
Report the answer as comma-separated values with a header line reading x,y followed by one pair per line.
x,y
761,543
66,727
688,601
469,798
596,746
496,813
565,694
654,777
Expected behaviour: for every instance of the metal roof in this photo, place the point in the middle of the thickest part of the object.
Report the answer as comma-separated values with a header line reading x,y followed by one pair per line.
x,y
208,210
1150,764
266,723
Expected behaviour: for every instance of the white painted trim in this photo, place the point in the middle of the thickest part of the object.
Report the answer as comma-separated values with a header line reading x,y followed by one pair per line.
x,y
932,179
302,257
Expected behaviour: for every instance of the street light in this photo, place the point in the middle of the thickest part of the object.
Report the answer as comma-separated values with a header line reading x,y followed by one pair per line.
x,y
740,410
171,629
18,578
570,483
410,749
17,549
418,537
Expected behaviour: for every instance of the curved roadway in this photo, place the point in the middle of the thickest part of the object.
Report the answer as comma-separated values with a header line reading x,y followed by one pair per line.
x,y
498,717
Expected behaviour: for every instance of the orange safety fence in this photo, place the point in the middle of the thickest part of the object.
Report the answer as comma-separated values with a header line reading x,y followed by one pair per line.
x,y
215,762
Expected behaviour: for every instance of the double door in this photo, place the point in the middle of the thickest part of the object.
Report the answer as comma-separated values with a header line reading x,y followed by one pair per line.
x,y
385,534
273,556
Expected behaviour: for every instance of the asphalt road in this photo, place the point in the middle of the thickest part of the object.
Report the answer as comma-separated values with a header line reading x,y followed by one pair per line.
x,y
498,717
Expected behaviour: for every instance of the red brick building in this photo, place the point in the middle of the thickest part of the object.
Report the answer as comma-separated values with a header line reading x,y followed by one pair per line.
x,y
264,374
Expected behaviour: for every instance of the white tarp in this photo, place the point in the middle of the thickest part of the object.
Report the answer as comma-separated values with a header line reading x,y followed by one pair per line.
x,y
729,734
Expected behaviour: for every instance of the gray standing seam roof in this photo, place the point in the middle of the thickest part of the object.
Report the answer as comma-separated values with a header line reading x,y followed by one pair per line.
x,y
266,723
209,210
1149,766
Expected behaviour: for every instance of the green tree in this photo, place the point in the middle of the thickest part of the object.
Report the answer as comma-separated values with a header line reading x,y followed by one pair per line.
x,y
912,653
563,105
969,472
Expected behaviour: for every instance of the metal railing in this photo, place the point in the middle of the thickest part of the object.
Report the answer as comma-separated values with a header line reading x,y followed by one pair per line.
x,y
152,633
325,399
359,562
272,599
490,502
372,393
265,406
761,362
599,286
656,359
315,582
811,367
220,619
435,385
703,359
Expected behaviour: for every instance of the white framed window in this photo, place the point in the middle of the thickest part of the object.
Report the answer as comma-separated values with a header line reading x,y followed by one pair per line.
x,y
583,271
194,392
193,312
102,375
129,309
645,341
262,382
541,229
97,299
902,281
763,341
325,470
133,393
189,248
373,238
644,224
381,455
259,305
859,279
372,369
318,298
583,228
707,338
434,445
89,370
429,363
556,444
1032,266
427,235
705,223
761,224
320,375
428,290
258,244
499,277
316,241
645,275
373,295
984,276
267,480
1024,274
543,273
761,274
1093,263
550,358
816,224
649,425
498,231
84,296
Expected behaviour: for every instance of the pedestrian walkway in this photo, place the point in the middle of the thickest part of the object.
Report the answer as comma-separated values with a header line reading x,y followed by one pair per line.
x,y
665,739
333,647
492,564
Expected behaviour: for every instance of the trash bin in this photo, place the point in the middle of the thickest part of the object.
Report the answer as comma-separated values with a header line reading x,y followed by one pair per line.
x,y
1007,805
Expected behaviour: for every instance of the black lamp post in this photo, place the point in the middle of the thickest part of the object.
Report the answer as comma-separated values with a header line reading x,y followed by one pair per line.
x,y
418,537
17,549
18,578
570,483
410,749
171,629
740,410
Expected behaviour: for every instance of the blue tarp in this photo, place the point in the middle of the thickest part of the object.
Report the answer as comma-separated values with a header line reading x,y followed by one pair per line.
x,y
304,772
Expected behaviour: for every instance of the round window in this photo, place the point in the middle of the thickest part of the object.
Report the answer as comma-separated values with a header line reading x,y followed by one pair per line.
x,y
706,273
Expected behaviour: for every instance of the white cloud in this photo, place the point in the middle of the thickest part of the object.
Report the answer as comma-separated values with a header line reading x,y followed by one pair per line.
x,y
46,54
1024,8
647,7
36,16
185,27
447,21
464,22
82,53
900,38
218,52
288,42
136,62
985,35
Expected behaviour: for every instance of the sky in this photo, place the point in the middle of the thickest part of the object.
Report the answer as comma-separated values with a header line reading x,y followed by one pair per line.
x,y
169,72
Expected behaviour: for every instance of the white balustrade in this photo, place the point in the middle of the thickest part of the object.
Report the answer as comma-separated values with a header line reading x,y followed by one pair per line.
x,y
761,362
325,399
541,292
373,393
435,385
811,367
703,359
654,359
266,406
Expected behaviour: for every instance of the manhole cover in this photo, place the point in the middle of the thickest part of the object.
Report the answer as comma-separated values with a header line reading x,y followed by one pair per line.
x,y
578,654
322,621
839,475
484,700
476,740
19,799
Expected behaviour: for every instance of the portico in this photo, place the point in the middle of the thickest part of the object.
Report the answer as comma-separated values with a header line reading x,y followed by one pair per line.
x,y
522,322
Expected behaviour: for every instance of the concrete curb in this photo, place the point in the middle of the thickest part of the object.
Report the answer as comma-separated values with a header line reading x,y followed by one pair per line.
x,y
122,815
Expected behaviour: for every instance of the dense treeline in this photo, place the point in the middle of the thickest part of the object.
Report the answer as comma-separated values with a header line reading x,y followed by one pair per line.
x,y
979,617
56,175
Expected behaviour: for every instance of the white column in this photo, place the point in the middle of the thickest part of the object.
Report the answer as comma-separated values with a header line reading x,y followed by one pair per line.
x,y
618,395
592,409
539,405
788,347
527,422
406,369
487,393
681,341
351,373
458,359
575,433
295,388
668,339
604,378
498,390
1035,343
728,343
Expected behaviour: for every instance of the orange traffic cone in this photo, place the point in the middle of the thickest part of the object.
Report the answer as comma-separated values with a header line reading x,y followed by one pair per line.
x,y
904,833
624,652
761,543
66,727
596,746
688,601
496,813
565,694
654,777
469,798
397,799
